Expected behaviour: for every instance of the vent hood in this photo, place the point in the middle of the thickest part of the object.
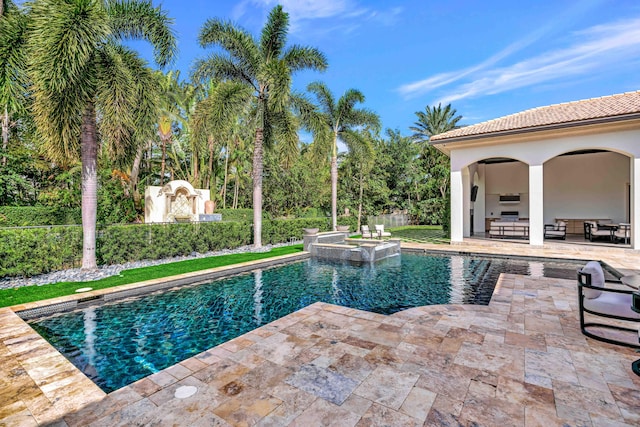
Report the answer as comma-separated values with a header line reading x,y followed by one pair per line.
x,y
509,198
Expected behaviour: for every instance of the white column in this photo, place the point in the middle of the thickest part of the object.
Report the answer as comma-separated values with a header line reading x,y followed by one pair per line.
x,y
479,207
456,206
536,205
466,202
635,201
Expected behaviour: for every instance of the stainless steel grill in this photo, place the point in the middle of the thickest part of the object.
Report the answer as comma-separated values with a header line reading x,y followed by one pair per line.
x,y
509,215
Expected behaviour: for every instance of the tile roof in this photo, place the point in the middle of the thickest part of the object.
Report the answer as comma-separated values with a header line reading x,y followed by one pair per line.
x,y
569,112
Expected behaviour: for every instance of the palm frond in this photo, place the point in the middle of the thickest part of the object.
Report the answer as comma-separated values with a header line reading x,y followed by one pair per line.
x,y
239,43
347,102
58,118
274,34
116,98
277,77
305,58
285,129
359,143
62,41
324,97
221,67
138,19
13,77
362,117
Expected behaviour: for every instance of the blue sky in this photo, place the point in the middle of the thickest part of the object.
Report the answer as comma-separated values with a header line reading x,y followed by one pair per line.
x,y
487,58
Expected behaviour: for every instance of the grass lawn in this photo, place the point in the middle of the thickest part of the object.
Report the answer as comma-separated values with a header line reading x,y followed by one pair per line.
x,y
26,294
420,234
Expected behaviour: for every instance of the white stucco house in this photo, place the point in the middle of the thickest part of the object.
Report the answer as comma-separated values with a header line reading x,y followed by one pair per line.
x,y
574,161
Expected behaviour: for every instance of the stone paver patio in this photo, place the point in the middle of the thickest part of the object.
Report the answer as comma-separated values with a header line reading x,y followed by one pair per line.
x,y
521,361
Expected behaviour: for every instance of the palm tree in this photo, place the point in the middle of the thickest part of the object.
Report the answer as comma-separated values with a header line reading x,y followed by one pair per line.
x,y
170,87
12,68
261,70
339,121
364,159
433,121
80,71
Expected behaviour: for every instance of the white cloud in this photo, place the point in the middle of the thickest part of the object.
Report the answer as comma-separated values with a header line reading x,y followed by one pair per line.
x,y
346,15
600,47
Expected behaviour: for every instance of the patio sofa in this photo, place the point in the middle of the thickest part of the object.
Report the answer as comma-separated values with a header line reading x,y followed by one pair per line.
x,y
555,231
509,229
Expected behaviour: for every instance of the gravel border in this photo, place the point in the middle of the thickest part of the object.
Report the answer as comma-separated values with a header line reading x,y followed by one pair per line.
x,y
77,275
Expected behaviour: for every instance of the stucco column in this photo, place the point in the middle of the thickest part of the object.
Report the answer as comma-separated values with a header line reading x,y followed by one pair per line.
x,y
536,205
457,205
466,203
635,201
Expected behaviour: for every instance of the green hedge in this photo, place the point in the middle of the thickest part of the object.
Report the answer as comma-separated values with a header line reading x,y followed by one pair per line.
x,y
240,215
31,251
121,243
23,216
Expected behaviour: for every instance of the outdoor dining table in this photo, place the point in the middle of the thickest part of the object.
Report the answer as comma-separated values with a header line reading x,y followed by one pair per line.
x,y
613,227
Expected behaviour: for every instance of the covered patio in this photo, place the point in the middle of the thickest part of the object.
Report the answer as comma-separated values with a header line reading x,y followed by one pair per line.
x,y
569,163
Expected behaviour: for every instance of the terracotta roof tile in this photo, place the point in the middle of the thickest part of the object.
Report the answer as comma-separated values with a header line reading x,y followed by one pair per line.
x,y
568,112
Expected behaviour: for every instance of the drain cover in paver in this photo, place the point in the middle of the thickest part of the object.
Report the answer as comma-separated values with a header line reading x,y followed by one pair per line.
x,y
323,383
185,391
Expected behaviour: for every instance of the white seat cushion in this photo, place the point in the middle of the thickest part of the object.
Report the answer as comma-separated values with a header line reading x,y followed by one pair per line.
x,y
594,269
612,303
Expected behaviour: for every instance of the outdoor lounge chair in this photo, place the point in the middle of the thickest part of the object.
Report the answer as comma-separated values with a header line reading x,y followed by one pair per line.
x,y
556,231
623,233
606,302
380,231
593,231
366,233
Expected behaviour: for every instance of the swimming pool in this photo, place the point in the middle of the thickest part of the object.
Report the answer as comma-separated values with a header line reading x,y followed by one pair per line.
x,y
120,342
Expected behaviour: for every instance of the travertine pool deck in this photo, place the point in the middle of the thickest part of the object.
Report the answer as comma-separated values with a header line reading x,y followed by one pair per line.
x,y
521,361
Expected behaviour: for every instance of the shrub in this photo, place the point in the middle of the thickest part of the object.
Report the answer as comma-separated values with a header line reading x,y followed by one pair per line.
x,y
31,251
282,230
239,215
24,216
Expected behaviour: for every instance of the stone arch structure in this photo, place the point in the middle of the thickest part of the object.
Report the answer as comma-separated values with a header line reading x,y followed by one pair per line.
x,y
181,201
176,201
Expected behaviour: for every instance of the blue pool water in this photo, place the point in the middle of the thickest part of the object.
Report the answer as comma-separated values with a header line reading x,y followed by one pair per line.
x,y
118,343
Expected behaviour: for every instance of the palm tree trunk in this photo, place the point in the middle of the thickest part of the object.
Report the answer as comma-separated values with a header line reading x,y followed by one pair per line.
x,y
89,156
211,174
5,133
163,160
135,174
195,159
226,174
361,182
334,184
257,189
236,192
